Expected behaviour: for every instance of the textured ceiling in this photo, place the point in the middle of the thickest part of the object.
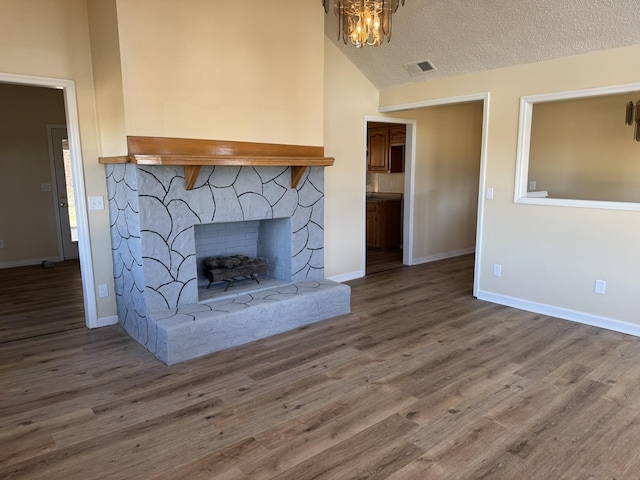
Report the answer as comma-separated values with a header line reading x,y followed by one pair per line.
x,y
462,36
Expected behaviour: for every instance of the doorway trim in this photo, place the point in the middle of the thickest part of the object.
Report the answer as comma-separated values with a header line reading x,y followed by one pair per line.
x,y
408,201
484,97
77,172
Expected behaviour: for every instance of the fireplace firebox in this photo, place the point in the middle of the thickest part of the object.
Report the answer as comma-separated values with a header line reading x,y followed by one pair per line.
x,y
232,269
267,239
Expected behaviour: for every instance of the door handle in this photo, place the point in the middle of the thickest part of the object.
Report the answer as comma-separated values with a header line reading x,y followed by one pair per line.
x,y
64,205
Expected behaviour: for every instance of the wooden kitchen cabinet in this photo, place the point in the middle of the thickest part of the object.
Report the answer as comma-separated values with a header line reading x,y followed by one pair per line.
x,y
383,223
385,149
398,135
372,224
378,150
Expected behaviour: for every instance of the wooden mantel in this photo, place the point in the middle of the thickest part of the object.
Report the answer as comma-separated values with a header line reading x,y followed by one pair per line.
x,y
193,154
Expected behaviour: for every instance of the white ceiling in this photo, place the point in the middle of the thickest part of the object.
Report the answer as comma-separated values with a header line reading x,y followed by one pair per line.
x,y
462,36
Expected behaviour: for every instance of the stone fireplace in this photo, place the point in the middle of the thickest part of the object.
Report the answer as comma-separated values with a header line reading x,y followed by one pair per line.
x,y
163,225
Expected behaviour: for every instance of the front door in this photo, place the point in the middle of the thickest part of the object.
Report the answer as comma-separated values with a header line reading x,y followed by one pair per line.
x,y
68,227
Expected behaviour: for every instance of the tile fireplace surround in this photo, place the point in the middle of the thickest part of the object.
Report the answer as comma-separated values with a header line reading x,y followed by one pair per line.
x,y
153,215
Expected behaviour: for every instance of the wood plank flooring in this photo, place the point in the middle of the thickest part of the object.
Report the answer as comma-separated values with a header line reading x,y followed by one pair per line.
x,y
38,301
421,381
382,260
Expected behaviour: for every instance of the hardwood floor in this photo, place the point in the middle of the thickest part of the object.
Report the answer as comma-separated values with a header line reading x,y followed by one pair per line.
x,y
39,301
421,381
383,260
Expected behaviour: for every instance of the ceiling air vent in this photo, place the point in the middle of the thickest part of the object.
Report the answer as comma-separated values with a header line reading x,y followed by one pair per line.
x,y
417,68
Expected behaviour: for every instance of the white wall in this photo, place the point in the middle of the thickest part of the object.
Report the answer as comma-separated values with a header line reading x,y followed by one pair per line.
x,y
550,256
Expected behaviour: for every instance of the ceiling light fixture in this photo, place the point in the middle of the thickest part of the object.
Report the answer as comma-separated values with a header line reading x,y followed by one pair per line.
x,y
363,22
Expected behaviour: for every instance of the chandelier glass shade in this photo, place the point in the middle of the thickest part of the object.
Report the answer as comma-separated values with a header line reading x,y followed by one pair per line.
x,y
363,22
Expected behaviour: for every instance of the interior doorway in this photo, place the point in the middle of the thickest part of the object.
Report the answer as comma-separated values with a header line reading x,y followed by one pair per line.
x,y
76,166
445,195
389,158
386,153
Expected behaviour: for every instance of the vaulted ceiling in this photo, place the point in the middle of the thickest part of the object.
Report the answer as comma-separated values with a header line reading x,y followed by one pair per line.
x,y
463,36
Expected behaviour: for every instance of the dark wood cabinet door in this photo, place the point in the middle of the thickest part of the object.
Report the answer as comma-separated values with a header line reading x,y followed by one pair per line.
x,y
378,150
383,228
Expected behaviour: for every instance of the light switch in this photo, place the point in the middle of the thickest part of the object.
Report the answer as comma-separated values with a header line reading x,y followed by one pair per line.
x,y
96,203
103,290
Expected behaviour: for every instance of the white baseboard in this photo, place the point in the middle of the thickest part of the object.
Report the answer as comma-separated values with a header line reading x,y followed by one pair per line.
x,y
442,256
432,258
28,261
563,313
105,321
345,277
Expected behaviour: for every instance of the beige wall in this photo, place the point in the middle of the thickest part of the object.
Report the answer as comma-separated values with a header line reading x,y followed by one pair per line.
x,y
50,38
446,175
181,77
185,72
241,70
349,96
107,76
549,255
27,219
582,149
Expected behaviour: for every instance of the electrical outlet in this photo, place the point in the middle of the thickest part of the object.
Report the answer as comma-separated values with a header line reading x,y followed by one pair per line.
x,y
600,287
1,243
497,270
393,184
532,185
46,187
103,290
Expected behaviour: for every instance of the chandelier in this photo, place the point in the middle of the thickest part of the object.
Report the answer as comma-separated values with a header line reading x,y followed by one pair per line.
x,y
363,22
